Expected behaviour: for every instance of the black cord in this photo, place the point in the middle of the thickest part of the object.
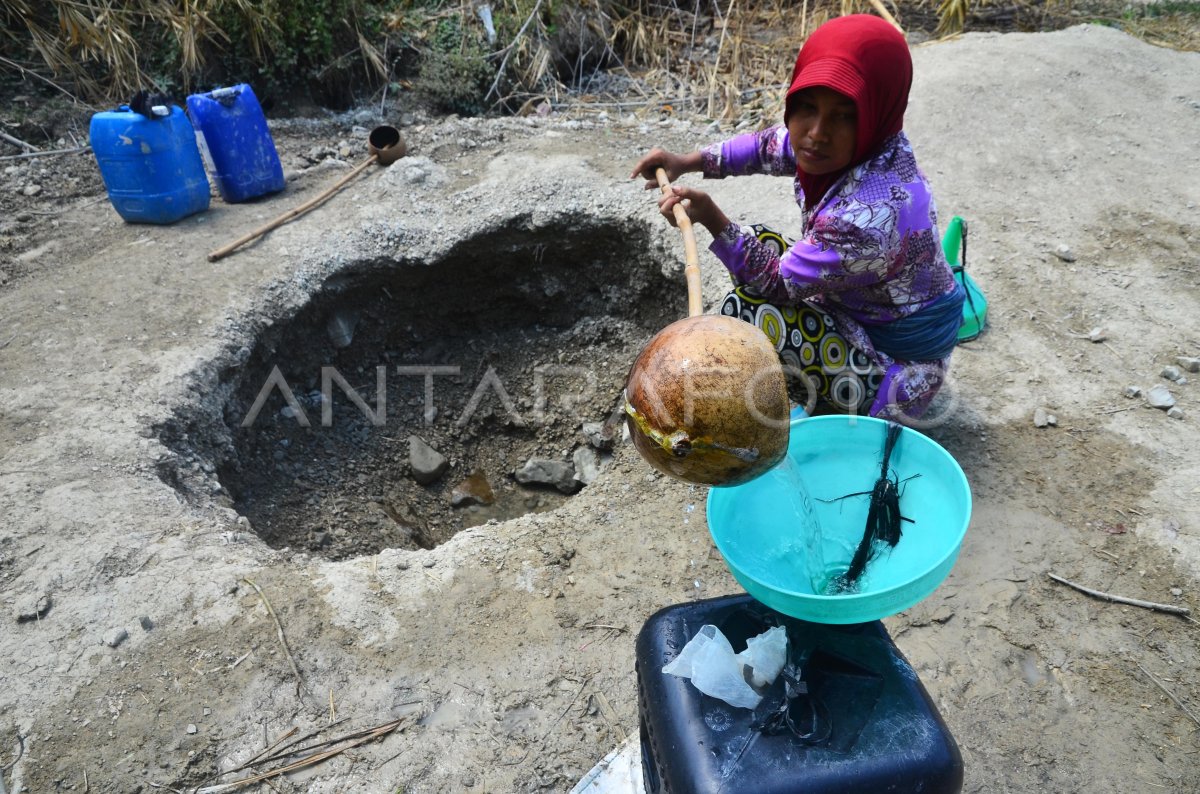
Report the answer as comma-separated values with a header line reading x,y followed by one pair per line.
x,y
962,268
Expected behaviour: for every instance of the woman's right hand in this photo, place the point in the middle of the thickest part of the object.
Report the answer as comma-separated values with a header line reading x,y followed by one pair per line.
x,y
676,165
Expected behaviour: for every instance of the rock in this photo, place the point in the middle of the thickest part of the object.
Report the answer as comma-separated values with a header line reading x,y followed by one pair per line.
x,y
427,463
340,328
114,637
1133,391
599,434
191,728
147,623
1043,418
1176,591
32,190
33,606
1188,363
413,171
537,471
1172,373
587,465
318,153
1063,252
1097,334
475,490
1159,397
1175,412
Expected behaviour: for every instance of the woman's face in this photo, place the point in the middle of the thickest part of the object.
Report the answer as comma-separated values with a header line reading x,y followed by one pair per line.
x,y
823,125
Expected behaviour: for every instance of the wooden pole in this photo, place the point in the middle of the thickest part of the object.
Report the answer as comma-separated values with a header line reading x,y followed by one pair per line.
x,y
691,270
292,213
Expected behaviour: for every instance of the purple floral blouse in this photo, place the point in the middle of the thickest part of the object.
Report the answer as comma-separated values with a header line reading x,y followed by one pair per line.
x,y
869,250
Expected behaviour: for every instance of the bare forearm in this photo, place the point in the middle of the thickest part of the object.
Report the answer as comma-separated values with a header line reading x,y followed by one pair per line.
x,y
714,220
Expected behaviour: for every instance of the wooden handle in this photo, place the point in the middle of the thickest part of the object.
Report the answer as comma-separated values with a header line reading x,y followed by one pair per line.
x,y
226,250
691,270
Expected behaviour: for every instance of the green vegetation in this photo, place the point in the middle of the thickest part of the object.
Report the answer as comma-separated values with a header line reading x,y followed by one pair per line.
x,y
455,73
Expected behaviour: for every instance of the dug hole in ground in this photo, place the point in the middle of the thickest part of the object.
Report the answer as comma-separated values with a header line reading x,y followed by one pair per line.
x,y
146,530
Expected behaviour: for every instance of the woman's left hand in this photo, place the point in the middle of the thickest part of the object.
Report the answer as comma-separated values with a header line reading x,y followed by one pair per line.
x,y
699,206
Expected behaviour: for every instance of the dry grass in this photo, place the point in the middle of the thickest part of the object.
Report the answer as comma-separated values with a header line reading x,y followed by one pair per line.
x,y
1175,25
726,60
97,44
952,16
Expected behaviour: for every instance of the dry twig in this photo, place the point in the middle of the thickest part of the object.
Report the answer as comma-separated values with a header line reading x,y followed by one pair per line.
x,y
16,756
283,746
256,759
289,750
509,51
29,147
586,681
362,737
1169,608
282,639
1119,410
50,153
1169,694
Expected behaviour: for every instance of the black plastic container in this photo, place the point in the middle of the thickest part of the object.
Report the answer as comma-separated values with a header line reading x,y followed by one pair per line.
x,y
870,725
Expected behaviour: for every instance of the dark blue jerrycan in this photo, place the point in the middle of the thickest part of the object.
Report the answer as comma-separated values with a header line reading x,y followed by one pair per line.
x,y
150,164
232,133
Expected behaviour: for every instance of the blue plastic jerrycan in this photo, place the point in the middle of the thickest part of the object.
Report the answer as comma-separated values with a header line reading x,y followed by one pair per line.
x,y
233,137
151,166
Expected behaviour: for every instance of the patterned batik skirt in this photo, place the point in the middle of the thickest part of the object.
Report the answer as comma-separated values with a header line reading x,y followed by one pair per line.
x,y
830,360
816,357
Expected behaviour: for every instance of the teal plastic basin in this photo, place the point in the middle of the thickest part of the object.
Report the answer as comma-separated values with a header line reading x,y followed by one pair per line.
x,y
764,528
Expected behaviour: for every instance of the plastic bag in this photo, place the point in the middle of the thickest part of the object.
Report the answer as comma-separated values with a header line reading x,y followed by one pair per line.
x,y
765,655
709,661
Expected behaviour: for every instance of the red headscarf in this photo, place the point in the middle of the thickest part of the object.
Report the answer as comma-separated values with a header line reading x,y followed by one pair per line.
x,y
866,59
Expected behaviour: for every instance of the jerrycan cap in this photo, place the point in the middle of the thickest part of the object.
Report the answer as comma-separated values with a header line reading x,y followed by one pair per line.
x,y
226,96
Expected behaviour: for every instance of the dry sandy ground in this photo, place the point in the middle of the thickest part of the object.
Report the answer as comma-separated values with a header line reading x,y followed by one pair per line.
x,y
127,358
